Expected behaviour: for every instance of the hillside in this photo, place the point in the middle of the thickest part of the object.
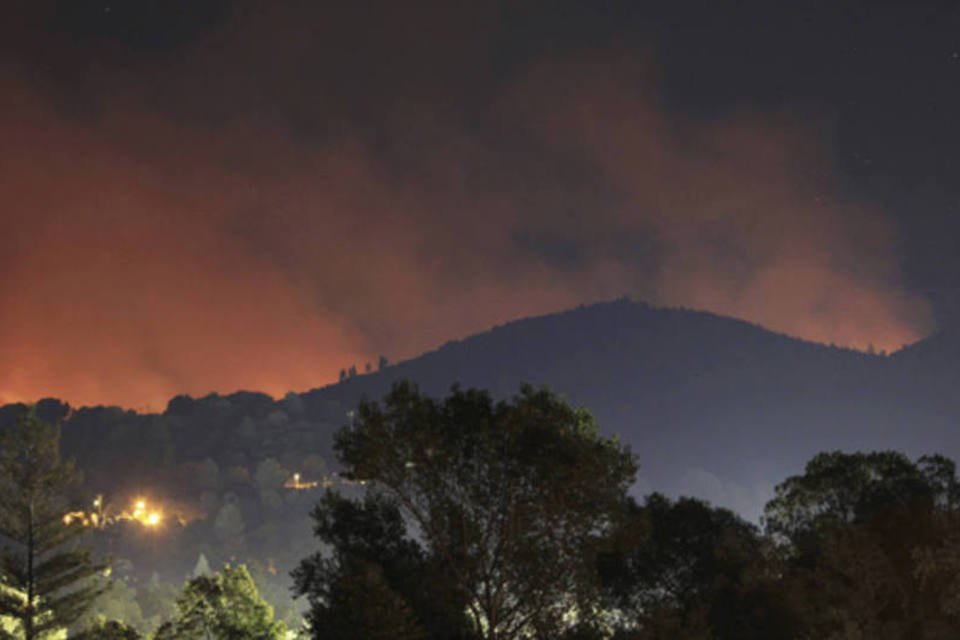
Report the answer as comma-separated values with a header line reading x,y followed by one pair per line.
x,y
712,406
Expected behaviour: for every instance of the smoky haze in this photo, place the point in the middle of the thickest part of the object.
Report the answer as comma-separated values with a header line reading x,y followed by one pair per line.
x,y
263,199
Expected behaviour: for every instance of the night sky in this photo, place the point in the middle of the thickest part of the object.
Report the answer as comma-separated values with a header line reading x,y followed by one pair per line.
x,y
206,195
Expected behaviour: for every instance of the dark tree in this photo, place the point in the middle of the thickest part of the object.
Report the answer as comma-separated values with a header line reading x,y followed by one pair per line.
x,y
375,579
382,363
872,544
838,489
49,574
511,498
361,606
682,568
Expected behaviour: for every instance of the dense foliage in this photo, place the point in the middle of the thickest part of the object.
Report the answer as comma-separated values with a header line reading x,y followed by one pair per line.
x,y
872,546
223,605
510,499
477,520
217,467
858,546
668,380
375,580
678,569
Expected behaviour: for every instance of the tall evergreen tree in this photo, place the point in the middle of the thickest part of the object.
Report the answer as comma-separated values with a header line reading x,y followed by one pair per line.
x,y
202,567
48,573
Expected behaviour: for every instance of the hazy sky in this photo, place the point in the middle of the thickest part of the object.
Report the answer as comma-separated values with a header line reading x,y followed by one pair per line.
x,y
211,195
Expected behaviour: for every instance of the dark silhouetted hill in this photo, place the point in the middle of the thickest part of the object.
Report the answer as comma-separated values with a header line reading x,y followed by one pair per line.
x,y
712,406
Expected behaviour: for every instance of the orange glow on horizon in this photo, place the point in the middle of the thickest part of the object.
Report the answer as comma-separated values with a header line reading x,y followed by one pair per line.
x,y
146,256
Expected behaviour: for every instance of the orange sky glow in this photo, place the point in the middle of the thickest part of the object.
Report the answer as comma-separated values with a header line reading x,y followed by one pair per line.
x,y
144,257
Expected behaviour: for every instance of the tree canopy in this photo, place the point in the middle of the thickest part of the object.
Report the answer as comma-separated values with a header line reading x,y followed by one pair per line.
x,y
223,605
510,499
838,489
374,578
872,544
678,569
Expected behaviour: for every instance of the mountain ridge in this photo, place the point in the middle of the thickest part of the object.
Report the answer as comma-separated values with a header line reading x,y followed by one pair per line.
x,y
713,406
700,392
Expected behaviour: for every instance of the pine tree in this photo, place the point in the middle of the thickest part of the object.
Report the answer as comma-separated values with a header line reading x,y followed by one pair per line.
x,y
202,567
48,574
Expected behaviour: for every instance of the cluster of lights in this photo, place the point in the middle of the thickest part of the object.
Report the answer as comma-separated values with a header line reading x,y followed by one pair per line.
x,y
145,516
297,483
141,513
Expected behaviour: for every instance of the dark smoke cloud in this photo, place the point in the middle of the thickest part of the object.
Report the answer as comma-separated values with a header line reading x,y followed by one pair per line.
x,y
293,190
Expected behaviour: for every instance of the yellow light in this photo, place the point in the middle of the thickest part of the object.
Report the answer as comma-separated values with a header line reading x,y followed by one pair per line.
x,y
67,519
153,519
139,506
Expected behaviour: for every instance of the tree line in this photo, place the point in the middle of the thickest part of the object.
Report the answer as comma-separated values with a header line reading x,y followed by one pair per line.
x,y
509,520
219,462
